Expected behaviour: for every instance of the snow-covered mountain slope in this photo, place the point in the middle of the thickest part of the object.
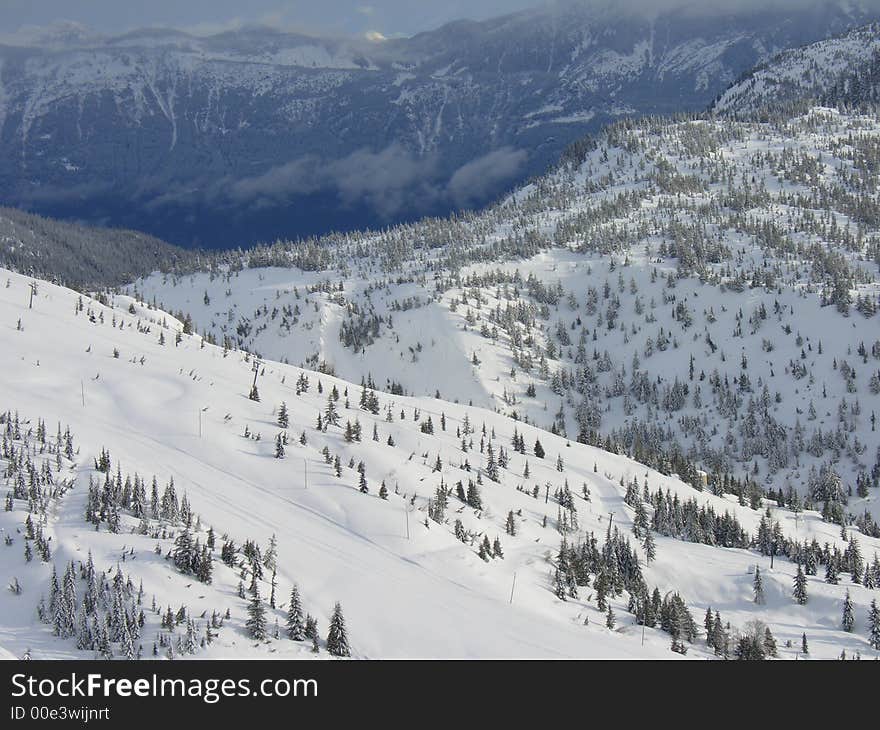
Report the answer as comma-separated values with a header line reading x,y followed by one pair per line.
x,y
841,69
705,288
133,394
428,596
256,134
696,296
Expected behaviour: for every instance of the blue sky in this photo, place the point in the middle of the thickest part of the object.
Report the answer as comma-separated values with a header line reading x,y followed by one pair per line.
x,y
323,16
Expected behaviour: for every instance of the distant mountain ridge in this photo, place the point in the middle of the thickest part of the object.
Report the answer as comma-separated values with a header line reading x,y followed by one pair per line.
x,y
256,134
845,69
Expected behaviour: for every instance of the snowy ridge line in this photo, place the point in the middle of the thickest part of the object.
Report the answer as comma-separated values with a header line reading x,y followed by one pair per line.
x,y
828,70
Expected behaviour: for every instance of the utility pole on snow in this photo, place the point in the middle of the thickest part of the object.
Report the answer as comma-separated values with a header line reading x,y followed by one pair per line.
x,y
256,370
201,411
254,394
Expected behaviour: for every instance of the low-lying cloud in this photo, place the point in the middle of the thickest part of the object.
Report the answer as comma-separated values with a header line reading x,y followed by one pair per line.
x,y
477,179
387,181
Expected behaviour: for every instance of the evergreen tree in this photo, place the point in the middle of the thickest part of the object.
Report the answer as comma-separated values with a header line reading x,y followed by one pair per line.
x,y
205,566
748,648
510,525
758,584
256,622
559,585
874,625
719,636
848,620
311,628
769,643
800,586
831,571
485,550
609,618
183,551
271,557
296,629
337,639
90,599
649,546
331,415
473,496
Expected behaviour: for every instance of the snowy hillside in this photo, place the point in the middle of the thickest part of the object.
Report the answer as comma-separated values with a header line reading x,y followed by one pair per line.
x,y
628,411
701,289
116,394
821,71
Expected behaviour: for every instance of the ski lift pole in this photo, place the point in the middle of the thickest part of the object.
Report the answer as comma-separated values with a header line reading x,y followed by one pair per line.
x,y
256,370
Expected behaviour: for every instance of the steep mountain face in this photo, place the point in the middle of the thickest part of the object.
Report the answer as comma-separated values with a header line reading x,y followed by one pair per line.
x,y
256,134
845,69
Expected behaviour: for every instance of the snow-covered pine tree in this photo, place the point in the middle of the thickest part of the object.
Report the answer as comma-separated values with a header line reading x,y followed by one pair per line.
x,y
256,621
800,586
337,638
848,619
769,643
758,585
510,524
874,625
296,629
